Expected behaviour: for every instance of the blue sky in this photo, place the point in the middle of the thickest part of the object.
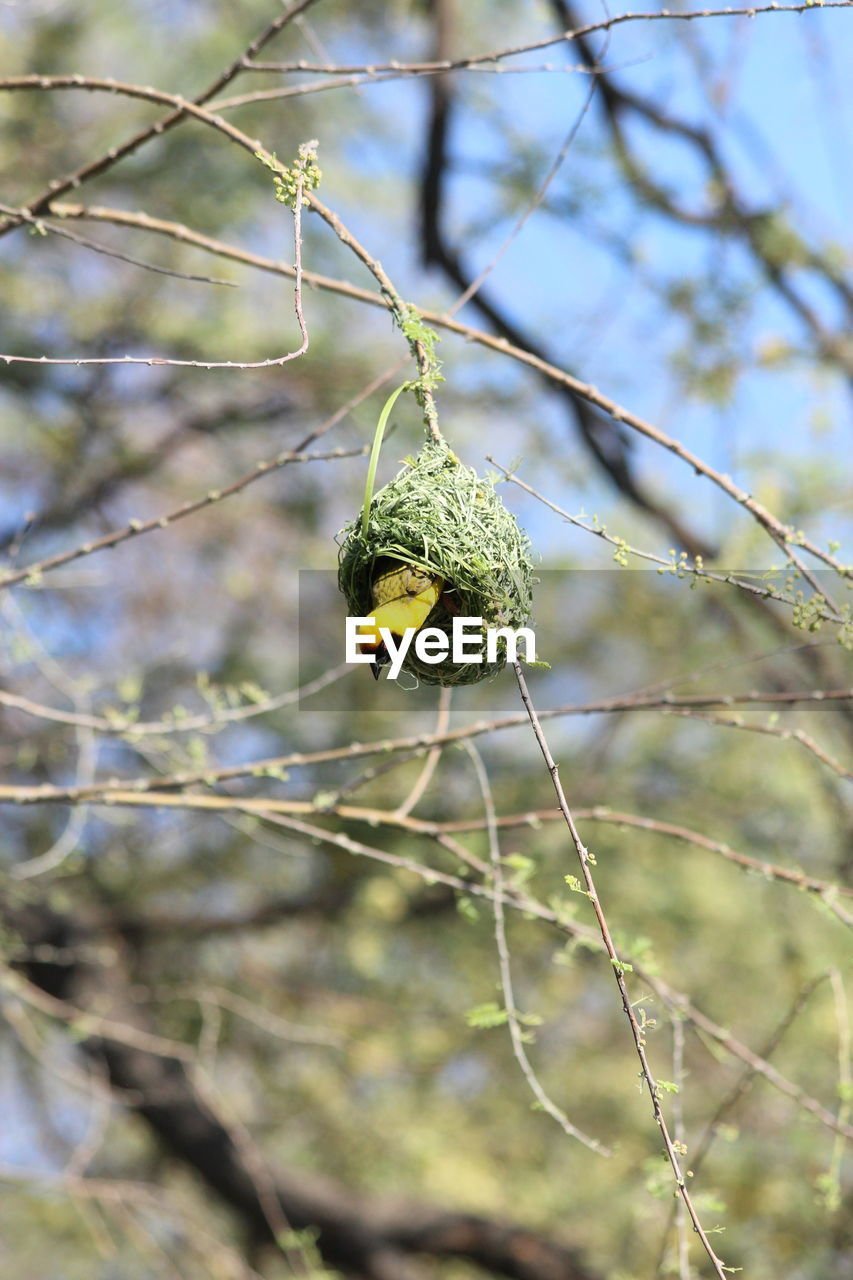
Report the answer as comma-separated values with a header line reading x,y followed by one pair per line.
x,y
786,133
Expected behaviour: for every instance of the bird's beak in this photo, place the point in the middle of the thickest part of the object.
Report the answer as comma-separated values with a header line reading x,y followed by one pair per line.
x,y
381,658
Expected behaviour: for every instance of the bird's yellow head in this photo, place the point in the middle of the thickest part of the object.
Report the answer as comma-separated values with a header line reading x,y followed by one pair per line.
x,y
403,598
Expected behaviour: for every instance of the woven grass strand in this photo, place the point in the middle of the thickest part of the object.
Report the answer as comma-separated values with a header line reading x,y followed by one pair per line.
x,y
442,517
374,452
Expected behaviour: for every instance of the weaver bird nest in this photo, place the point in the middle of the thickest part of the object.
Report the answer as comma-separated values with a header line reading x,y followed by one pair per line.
x,y
440,516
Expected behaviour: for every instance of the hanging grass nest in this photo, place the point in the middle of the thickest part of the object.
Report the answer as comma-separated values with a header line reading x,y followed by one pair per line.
x,y
440,516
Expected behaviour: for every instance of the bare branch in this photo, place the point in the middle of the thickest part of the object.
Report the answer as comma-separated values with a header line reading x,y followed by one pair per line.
x,y
33,573
356,750
783,535
96,167
510,1008
620,967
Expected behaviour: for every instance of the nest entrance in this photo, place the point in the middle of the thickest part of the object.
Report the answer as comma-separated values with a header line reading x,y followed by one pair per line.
x,y
440,516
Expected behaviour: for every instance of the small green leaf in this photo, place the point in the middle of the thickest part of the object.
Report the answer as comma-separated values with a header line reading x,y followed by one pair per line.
x,y
484,1016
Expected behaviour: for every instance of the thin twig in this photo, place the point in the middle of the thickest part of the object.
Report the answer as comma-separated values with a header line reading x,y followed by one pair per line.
x,y
393,301
510,1008
68,840
619,970
785,735
444,832
86,1023
136,91
442,320
433,756
737,1091
357,81
532,205
832,1178
496,55
125,727
684,1268
115,1193
366,776
254,1162
43,226
73,181
272,765
677,567
87,746
672,999
781,535
244,62
100,1110
774,731
828,892
32,573
256,1014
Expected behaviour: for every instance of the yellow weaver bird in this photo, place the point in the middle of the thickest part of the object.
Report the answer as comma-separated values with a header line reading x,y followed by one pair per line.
x,y
402,597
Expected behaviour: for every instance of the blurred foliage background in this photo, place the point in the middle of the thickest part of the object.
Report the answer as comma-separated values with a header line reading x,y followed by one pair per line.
x,y
222,1029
